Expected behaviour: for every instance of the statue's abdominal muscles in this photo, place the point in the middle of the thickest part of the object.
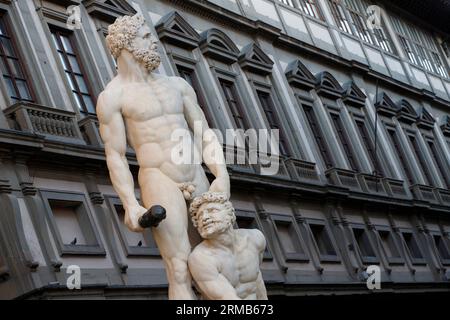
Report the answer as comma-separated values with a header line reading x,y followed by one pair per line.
x,y
151,122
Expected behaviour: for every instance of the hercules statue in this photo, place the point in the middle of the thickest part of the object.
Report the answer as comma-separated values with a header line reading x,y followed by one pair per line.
x,y
145,108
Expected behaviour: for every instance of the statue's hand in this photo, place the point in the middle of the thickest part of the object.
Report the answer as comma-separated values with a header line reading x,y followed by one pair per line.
x,y
132,215
221,184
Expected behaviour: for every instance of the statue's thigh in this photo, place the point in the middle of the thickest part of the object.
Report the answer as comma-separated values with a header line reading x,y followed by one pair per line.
x,y
201,182
171,235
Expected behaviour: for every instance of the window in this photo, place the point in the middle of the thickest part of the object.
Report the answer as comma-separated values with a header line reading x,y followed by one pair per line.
x,y
351,17
441,246
323,241
288,239
191,78
287,2
389,246
363,241
340,16
73,70
272,118
440,164
311,8
342,135
422,161
369,147
234,104
419,46
413,246
11,66
318,136
401,155
72,223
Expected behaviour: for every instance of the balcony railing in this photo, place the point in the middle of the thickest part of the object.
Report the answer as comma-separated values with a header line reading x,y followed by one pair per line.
x,y
54,124
343,178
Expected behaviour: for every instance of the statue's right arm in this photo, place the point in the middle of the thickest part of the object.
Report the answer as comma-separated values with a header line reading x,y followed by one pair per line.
x,y
212,284
113,133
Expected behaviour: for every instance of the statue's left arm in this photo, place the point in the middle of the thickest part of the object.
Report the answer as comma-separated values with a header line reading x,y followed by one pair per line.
x,y
212,149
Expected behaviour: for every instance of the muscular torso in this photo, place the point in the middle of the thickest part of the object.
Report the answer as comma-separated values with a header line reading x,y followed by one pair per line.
x,y
152,112
241,267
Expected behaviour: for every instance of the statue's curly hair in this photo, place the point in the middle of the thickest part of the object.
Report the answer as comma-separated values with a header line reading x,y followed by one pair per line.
x,y
122,33
209,197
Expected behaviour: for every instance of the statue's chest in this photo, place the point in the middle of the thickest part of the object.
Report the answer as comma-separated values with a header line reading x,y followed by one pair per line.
x,y
243,265
247,265
144,102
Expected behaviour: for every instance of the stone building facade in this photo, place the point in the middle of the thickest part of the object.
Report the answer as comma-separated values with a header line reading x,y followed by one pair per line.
x,y
364,120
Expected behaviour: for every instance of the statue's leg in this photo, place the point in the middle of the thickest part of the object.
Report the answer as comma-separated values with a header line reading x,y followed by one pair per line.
x,y
171,235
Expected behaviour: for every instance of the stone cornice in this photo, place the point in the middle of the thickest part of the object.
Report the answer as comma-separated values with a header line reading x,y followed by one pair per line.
x,y
48,151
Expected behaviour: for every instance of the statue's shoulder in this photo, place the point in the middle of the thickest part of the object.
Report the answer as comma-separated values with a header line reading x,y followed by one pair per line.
x,y
202,254
178,82
255,236
113,88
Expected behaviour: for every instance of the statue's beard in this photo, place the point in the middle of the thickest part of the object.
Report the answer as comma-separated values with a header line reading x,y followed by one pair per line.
x,y
149,58
214,229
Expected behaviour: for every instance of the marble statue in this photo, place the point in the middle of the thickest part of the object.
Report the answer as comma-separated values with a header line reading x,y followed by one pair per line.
x,y
144,107
226,265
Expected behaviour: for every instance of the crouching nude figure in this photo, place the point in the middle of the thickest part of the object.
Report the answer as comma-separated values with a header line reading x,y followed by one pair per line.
x,y
147,108
225,265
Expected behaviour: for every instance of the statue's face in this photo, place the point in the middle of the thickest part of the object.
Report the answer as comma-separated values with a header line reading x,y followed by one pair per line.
x,y
212,219
144,39
145,49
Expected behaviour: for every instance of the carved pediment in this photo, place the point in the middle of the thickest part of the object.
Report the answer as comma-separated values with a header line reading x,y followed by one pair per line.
x,y
299,76
217,45
353,95
385,105
406,112
174,29
425,120
253,58
446,126
108,10
328,86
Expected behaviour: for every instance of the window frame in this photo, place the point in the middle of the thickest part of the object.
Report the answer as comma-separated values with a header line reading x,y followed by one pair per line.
x,y
414,260
19,57
401,156
326,156
301,254
323,258
97,249
446,241
275,110
366,259
239,104
344,139
399,260
305,8
70,35
368,144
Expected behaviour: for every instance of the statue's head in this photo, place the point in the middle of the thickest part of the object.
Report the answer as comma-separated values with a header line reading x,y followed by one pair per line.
x,y
212,213
132,34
